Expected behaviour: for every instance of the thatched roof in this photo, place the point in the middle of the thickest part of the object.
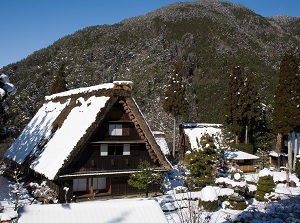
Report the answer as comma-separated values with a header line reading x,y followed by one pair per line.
x,y
63,125
193,132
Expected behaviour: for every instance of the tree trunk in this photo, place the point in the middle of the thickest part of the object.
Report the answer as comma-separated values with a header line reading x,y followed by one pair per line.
x,y
295,149
279,147
147,193
290,153
246,135
287,175
17,201
174,137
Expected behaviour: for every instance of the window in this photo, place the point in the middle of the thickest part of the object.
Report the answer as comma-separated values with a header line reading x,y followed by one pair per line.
x,y
84,184
103,149
99,183
115,150
115,129
126,149
79,184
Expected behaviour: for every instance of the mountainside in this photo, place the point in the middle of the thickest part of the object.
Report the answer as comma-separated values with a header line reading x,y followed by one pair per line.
x,y
208,38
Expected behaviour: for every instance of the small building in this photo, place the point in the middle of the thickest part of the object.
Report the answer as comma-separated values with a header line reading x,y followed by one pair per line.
x,y
242,160
190,134
86,142
278,158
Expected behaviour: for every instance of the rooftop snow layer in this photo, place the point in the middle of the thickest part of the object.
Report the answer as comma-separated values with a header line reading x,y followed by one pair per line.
x,y
195,131
60,142
122,211
239,155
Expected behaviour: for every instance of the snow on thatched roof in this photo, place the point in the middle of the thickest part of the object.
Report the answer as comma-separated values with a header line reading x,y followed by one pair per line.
x,y
60,124
195,131
126,210
59,141
161,141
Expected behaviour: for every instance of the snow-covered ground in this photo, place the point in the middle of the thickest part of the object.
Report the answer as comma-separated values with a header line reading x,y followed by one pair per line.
x,y
179,205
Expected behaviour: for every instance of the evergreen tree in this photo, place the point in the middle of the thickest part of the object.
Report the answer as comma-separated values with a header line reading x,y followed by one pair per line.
x,y
243,111
287,95
175,102
59,84
263,160
202,163
232,109
253,116
145,177
286,115
6,89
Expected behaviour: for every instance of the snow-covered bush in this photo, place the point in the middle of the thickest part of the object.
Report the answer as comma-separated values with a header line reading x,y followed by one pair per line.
x,y
236,174
43,193
202,163
238,205
208,199
18,188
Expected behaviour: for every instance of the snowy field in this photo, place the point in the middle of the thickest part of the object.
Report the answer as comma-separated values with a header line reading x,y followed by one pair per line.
x,y
179,206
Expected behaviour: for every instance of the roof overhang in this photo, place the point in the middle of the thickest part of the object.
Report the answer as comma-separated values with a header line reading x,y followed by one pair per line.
x,y
103,173
118,142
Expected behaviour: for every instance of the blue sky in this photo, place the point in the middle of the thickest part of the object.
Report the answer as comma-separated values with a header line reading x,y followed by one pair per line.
x,y
30,25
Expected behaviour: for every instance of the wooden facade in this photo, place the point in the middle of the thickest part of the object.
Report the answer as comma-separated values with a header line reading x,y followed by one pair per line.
x,y
247,166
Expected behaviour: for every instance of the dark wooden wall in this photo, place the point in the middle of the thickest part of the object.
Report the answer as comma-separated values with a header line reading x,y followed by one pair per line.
x,y
89,158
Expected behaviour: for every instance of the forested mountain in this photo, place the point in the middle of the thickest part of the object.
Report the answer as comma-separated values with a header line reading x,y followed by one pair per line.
x,y
207,38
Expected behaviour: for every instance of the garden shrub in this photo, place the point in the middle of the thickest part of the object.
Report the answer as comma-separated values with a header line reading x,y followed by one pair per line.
x,y
223,198
237,205
265,185
209,205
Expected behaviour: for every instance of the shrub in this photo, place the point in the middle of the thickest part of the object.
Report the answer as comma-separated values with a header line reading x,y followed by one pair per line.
x,y
145,177
223,198
265,185
209,205
237,205
201,163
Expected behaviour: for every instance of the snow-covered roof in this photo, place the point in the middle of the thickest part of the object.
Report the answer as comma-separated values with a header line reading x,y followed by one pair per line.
x,y
122,211
275,154
195,131
48,139
41,128
80,90
161,141
239,155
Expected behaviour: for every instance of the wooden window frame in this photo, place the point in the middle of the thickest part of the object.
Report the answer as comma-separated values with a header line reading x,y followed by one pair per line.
x,y
115,129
